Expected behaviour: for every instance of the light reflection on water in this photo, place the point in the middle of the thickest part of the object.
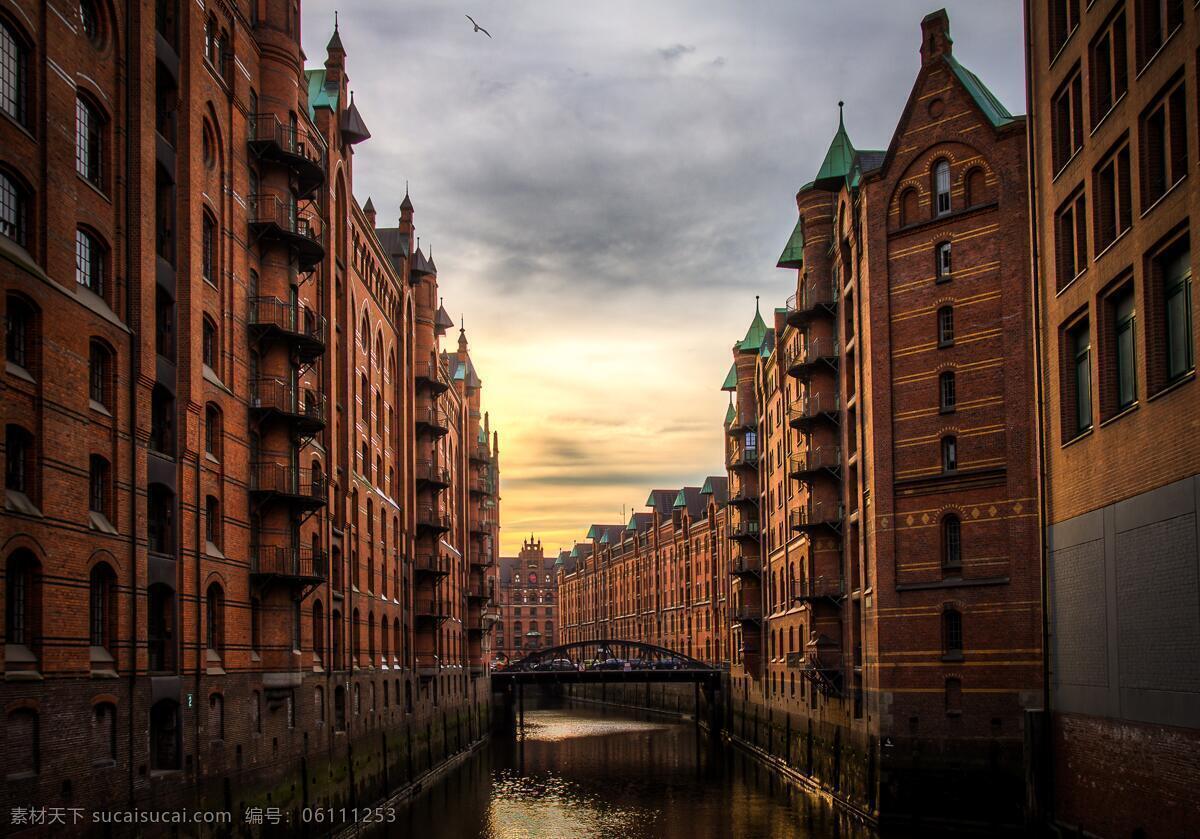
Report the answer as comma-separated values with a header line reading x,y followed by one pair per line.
x,y
586,772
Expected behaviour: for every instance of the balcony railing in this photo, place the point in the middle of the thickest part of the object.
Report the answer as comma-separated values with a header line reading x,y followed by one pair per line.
x,y
293,146
480,452
304,486
820,588
742,421
433,518
806,463
812,352
744,530
430,562
429,374
305,407
287,562
431,608
433,472
816,514
282,219
433,418
297,323
813,298
482,485
483,522
747,612
823,404
741,494
742,563
741,456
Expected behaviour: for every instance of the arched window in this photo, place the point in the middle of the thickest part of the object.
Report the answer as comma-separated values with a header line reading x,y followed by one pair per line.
x,y
100,371
89,141
212,431
14,209
91,22
20,462
212,39
910,204
104,734
951,542
21,743
949,454
102,589
945,326
212,520
947,392
952,634
14,73
208,247
977,189
216,717
160,623
162,421
20,330
214,619
160,514
90,259
942,262
22,604
99,478
210,346
164,735
941,187
365,339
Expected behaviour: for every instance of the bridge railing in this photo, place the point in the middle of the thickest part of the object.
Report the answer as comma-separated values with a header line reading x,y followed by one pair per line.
x,y
606,654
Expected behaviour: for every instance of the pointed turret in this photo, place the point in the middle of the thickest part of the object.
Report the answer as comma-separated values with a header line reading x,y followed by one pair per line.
x,y
793,251
406,206
462,338
354,129
757,332
838,159
335,59
935,37
369,211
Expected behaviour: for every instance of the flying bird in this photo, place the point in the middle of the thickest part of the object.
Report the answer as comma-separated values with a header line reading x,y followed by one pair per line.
x,y
478,28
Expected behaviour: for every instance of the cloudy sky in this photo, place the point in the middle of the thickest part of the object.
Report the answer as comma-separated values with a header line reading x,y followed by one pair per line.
x,y
606,187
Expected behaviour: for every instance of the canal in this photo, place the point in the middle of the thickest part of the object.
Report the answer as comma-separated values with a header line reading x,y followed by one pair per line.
x,y
586,771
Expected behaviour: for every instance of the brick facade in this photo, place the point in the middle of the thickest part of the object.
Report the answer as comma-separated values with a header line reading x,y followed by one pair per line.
x,y
250,498
526,602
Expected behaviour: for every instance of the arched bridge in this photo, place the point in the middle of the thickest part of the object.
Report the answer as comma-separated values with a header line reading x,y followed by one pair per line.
x,y
606,660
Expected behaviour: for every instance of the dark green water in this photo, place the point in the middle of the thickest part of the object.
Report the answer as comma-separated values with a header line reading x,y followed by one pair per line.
x,y
590,772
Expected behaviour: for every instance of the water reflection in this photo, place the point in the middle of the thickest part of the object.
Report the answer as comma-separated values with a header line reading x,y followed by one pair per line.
x,y
586,772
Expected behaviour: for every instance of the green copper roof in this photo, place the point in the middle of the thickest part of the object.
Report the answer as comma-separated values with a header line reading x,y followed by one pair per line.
x,y
707,488
987,101
731,378
680,500
793,251
756,333
320,96
838,159
730,414
632,524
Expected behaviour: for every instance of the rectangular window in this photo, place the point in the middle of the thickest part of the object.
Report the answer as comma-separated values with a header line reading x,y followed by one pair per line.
x,y
1111,198
943,262
12,74
1070,238
209,250
87,141
1066,125
1077,381
1156,20
1164,143
1064,18
948,397
945,326
1122,361
949,454
1169,302
1109,67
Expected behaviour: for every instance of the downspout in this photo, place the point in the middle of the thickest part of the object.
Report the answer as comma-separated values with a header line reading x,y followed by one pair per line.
x,y
1047,764
134,351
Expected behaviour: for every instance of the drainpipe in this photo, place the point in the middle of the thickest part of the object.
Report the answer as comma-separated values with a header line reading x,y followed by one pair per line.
x,y
1045,751
133,416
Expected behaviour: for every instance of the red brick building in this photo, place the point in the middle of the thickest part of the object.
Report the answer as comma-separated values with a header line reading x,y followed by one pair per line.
x,y
526,602
250,499
1114,126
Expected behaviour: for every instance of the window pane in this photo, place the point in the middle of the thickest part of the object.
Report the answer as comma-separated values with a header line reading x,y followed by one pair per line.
x,y
12,75
1179,315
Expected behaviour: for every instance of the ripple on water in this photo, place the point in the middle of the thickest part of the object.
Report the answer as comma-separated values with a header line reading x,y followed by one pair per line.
x,y
547,805
554,726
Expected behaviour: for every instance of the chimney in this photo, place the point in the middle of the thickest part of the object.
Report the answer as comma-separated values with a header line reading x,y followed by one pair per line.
x,y
935,37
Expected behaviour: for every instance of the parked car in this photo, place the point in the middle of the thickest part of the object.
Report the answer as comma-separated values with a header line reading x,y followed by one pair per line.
x,y
556,665
667,664
609,664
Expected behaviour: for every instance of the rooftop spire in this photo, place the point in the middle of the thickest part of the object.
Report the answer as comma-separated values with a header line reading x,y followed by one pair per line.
x,y
335,43
838,159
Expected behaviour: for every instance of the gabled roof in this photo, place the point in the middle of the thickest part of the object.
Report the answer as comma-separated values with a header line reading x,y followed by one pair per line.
x,y
662,500
716,486
838,160
320,96
690,499
354,129
756,333
639,522
731,378
992,107
793,251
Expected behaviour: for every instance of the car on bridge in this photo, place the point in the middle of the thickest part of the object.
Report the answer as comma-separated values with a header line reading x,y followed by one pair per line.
x,y
608,664
667,664
556,665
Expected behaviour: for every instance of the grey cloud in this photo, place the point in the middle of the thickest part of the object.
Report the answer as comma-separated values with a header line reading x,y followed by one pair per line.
x,y
673,52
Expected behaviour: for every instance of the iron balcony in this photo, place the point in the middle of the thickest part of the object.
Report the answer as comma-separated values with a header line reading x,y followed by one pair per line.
x,y
747,613
430,563
742,495
745,530
804,465
814,407
742,421
301,487
277,397
433,418
302,565
273,217
741,457
813,299
481,485
744,564
814,589
429,374
480,452
479,590
430,609
292,146
816,515
432,472
812,352
483,523
301,326
433,518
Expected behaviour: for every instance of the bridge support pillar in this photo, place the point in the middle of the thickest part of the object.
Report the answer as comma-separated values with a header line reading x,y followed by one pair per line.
x,y
521,708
